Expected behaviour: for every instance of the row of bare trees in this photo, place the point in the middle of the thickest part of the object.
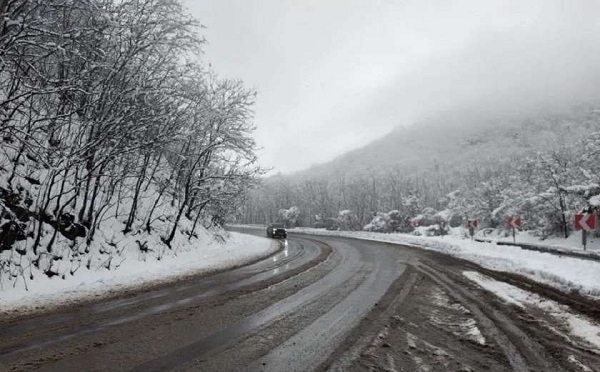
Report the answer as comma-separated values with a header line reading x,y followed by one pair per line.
x,y
545,188
323,198
106,112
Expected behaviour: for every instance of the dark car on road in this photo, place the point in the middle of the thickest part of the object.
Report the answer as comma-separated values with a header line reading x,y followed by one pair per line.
x,y
276,230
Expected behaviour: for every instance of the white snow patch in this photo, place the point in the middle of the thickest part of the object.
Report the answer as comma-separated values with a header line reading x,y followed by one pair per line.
x,y
411,340
472,331
441,299
505,291
467,329
573,360
595,201
578,325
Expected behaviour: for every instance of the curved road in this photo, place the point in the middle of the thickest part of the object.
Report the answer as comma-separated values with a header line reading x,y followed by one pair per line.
x,y
319,303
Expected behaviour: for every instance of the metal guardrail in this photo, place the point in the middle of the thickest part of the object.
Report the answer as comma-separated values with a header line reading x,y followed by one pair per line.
x,y
540,248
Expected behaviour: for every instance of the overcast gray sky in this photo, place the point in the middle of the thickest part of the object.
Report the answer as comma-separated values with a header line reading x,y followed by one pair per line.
x,y
332,75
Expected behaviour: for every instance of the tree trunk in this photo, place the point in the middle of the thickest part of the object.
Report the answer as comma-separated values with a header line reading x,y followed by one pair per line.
x,y
174,229
3,8
16,161
42,211
136,195
198,213
563,211
86,191
90,212
153,173
149,220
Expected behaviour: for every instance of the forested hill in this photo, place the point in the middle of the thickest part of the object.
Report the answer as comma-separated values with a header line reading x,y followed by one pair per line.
x,y
541,165
463,139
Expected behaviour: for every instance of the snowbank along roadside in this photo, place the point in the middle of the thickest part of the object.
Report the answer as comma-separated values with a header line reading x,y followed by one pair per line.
x,y
135,268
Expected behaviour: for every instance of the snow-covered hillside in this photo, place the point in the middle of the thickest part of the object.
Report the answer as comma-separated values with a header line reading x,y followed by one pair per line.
x,y
456,140
120,154
541,166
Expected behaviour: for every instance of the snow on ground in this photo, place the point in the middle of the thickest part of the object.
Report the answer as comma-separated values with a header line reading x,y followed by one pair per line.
x,y
133,268
565,273
467,327
572,243
578,325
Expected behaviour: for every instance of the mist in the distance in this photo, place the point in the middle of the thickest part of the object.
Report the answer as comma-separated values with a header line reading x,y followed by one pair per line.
x,y
335,75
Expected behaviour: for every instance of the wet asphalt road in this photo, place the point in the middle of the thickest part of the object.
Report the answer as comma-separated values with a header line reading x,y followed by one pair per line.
x,y
315,292
319,303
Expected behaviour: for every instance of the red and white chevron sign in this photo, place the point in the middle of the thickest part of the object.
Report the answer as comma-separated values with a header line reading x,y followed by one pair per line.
x,y
514,222
585,221
472,224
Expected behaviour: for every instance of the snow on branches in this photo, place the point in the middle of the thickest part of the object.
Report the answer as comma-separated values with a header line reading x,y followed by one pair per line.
x,y
108,122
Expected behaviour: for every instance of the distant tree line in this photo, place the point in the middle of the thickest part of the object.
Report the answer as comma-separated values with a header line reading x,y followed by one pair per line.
x,y
546,188
105,107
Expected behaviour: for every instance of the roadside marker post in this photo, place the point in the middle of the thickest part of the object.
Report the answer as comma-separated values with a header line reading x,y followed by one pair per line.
x,y
443,225
585,222
472,225
514,222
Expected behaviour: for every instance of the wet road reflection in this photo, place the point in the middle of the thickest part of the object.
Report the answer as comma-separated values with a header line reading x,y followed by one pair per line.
x,y
111,312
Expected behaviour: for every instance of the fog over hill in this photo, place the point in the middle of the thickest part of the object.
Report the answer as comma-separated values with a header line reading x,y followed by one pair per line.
x,y
492,117
540,164
463,139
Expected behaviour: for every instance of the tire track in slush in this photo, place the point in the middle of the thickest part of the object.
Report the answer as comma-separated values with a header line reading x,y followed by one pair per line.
x,y
312,346
523,353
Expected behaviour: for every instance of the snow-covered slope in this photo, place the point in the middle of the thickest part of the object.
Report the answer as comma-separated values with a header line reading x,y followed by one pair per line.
x,y
67,268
